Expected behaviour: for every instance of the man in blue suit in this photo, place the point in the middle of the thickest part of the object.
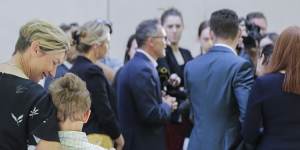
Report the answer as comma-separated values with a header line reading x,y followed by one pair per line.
x,y
142,109
218,85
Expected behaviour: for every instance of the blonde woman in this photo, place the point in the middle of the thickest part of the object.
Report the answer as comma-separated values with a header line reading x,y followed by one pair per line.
x,y
26,110
92,44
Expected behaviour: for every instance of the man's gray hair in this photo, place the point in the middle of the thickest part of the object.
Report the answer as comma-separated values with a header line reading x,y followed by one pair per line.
x,y
146,29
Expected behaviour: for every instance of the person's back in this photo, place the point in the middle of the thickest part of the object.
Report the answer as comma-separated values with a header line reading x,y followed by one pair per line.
x,y
92,43
218,84
280,113
214,106
272,118
20,113
72,100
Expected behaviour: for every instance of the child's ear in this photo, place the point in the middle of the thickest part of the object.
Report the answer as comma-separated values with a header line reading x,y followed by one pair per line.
x,y
86,116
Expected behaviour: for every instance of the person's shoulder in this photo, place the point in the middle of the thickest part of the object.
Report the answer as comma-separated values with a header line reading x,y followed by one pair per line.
x,y
270,78
31,87
138,67
235,60
138,63
95,68
196,60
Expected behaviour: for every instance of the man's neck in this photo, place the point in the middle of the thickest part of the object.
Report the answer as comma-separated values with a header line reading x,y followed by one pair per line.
x,y
230,43
150,53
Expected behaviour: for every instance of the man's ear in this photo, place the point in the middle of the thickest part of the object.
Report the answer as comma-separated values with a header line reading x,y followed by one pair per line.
x,y
149,42
86,116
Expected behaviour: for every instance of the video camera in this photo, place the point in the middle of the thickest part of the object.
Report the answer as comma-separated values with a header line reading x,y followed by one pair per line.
x,y
253,35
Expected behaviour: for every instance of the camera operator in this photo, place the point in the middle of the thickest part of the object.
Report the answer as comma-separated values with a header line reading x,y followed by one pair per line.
x,y
250,41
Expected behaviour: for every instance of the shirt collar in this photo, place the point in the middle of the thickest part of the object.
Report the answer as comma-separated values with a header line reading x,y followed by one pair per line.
x,y
153,61
67,64
74,135
227,46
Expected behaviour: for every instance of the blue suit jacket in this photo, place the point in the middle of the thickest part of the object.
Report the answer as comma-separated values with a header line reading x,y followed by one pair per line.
x,y
140,108
218,85
60,71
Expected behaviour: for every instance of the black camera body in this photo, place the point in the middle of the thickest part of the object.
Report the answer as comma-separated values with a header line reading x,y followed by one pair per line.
x,y
253,35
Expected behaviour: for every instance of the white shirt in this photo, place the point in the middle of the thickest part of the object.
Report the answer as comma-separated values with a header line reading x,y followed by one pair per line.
x,y
74,140
227,46
67,64
153,61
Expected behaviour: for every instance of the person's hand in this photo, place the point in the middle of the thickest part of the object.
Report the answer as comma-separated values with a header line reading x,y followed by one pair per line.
x,y
48,145
171,101
174,80
119,142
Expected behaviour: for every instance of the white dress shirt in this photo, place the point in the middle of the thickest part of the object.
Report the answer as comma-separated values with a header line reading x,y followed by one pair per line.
x,y
227,46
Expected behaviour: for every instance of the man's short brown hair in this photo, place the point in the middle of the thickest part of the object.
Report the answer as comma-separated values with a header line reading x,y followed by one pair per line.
x,y
70,96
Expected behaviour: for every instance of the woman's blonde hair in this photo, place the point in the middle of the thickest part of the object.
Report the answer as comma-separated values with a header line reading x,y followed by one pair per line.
x,y
49,36
92,32
70,96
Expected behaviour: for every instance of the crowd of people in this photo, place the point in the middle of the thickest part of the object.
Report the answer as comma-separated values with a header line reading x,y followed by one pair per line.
x,y
60,90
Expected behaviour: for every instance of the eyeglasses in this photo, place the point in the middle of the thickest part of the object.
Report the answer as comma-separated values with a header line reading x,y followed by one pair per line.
x,y
163,37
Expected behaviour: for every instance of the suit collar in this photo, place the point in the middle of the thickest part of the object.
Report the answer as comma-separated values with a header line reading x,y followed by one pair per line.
x,y
150,58
67,65
223,48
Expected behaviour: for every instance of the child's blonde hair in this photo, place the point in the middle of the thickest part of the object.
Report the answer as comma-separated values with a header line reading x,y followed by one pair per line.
x,y
70,96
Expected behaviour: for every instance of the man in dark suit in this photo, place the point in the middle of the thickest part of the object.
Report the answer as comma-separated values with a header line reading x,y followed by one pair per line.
x,y
218,85
142,109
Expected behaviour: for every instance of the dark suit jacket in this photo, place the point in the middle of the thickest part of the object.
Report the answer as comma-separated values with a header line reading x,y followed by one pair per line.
x,y
274,110
218,85
140,108
103,118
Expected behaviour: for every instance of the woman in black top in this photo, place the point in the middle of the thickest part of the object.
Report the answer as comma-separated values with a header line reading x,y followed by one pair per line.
x,y
273,116
92,43
26,110
173,63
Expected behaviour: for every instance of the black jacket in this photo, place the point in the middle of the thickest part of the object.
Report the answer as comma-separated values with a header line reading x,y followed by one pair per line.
x,y
103,117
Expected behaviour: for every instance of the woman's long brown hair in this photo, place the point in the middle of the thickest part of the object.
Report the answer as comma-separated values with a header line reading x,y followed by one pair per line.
x,y
286,57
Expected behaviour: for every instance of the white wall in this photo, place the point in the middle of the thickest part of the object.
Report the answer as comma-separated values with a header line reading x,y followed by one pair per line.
x,y
126,14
